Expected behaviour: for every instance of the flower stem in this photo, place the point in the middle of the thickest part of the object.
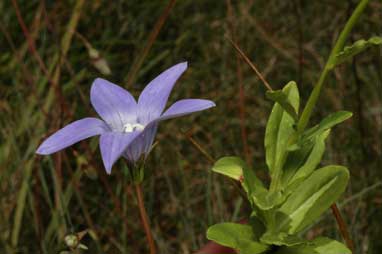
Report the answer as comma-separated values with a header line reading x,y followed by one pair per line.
x,y
144,218
312,101
342,226
307,112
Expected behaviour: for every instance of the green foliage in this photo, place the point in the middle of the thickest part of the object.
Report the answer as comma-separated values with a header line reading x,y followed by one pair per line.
x,y
280,238
311,198
327,123
298,193
303,161
230,166
319,245
237,236
358,47
282,98
258,195
280,131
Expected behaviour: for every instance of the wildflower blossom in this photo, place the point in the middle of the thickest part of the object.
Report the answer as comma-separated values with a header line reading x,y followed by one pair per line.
x,y
127,127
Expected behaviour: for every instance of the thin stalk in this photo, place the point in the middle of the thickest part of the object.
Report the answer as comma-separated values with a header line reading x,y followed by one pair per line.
x,y
342,226
144,218
307,112
30,41
312,101
252,65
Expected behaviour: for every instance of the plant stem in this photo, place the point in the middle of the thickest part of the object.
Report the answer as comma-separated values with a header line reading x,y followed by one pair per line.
x,y
342,226
144,218
306,114
252,65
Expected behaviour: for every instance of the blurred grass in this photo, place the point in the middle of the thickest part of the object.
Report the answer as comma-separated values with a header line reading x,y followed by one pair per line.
x,y
288,40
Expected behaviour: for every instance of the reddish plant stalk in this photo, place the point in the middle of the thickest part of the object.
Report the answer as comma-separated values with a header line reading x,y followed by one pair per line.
x,y
31,44
342,227
144,218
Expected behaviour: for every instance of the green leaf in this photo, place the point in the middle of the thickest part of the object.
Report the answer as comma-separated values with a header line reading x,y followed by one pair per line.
x,y
302,162
321,245
327,123
257,225
257,193
251,247
280,239
228,234
230,166
313,159
281,98
251,183
266,200
279,130
237,169
311,198
354,49
236,236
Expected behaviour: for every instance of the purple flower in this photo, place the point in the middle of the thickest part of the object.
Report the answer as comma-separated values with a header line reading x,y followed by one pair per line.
x,y
127,128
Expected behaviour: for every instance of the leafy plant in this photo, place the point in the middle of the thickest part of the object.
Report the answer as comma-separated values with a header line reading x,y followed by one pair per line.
x,y
357,47
300,191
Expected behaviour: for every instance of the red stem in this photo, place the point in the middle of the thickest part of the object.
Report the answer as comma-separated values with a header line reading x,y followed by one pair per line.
x,y
343,228
144,218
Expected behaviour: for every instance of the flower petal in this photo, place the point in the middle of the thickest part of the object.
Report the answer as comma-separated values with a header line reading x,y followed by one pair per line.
x,y
186,106
72,133
153,98
142,143
113,103
112,145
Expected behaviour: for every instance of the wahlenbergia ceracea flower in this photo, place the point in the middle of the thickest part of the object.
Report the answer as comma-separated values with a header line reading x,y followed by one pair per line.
x,y
128,128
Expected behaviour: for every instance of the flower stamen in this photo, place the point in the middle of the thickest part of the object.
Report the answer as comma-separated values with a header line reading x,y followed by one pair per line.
x,y
130,127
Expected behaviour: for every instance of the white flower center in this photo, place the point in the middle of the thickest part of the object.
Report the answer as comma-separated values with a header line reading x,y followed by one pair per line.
x,y
130,127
